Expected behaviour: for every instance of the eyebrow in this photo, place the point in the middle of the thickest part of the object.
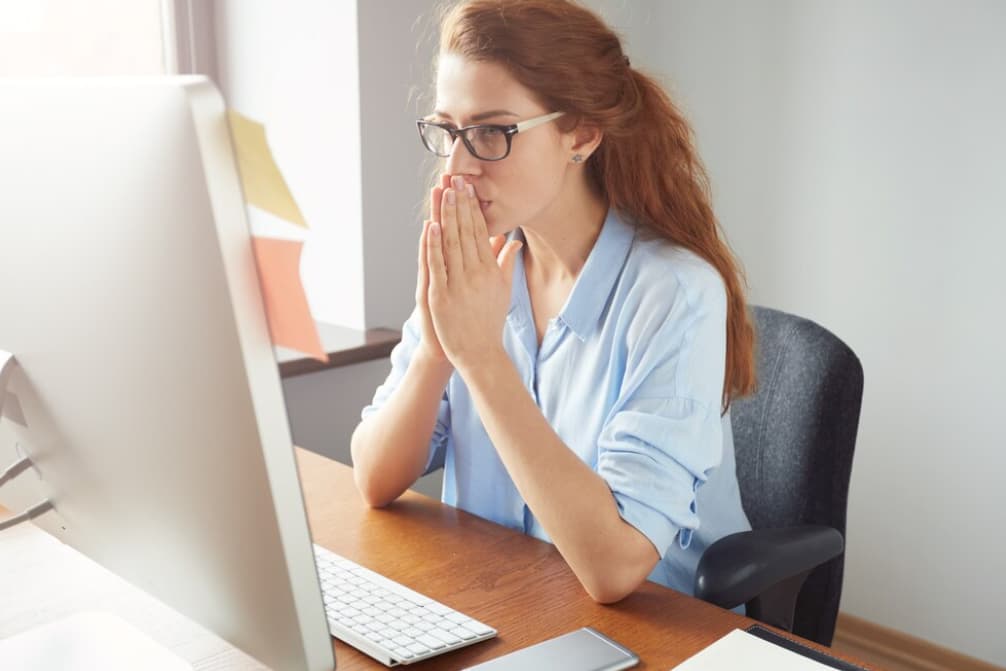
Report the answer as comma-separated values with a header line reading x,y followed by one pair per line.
x,y
478,117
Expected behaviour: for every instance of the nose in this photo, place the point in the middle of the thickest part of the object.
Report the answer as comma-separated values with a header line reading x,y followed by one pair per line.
x,y
461,161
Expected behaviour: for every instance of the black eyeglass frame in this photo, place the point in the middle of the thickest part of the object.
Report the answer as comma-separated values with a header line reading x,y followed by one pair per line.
x,y
508,130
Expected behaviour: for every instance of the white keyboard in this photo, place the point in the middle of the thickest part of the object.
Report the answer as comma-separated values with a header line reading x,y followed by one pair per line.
x,y
386,620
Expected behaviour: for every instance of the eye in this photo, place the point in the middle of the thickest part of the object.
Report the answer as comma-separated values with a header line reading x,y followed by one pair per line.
x,y
486,134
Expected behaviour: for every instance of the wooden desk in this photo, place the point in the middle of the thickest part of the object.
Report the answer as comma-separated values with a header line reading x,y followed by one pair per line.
x,y
515,583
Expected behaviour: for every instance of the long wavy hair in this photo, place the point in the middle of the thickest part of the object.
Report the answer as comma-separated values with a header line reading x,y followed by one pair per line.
x,y
646,166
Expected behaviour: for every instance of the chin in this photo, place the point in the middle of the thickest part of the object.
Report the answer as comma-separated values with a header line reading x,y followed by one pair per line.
x,y
495,228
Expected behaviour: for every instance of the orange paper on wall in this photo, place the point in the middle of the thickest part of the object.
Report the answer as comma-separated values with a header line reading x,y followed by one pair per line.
x,y
290,321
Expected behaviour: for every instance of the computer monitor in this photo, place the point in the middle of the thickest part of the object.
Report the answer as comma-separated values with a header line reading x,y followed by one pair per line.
x,y
146,391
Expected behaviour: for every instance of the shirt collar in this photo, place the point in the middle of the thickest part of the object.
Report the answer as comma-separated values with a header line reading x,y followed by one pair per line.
x,y
597,278
593,286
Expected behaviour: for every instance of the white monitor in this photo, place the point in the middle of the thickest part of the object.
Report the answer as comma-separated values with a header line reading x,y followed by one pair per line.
x,y
146,391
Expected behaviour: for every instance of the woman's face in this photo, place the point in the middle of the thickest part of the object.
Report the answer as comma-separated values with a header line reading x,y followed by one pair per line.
x,y
517,190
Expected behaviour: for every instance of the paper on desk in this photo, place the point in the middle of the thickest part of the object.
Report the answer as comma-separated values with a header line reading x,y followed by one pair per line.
x,y
261,179
290,321
744,652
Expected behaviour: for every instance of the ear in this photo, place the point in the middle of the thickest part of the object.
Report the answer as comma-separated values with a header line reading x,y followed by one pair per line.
x,y
585,139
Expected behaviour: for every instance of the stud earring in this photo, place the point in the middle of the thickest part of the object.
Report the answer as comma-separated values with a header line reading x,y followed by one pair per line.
x,y
577,158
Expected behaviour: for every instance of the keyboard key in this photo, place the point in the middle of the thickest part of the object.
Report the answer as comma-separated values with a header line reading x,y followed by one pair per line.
x,y
430,642
439,609
446,637
477,627
418,648
462,633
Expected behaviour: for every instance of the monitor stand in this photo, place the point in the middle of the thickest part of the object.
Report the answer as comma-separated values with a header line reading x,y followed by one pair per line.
x,y
87,640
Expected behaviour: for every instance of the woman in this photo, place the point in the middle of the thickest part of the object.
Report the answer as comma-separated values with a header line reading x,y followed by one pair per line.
x,y
580,327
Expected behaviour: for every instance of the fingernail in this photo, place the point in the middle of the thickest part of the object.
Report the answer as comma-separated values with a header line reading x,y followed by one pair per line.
x,y
470,189
450,196
458,183
435,229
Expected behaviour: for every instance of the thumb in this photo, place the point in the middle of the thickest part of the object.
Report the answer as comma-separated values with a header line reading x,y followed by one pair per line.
x,y
507,258
496,242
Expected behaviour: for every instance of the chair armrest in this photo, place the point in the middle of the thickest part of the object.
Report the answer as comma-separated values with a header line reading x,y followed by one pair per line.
x,y
741,567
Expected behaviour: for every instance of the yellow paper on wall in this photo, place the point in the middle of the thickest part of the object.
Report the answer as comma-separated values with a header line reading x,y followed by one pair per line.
x,y
261,179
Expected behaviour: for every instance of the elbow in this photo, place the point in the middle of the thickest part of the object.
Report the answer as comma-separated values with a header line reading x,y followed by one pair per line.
x,y
608,597
369,489
366,484
633,562
611,589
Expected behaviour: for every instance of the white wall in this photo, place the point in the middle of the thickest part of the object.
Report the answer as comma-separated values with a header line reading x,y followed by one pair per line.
x,y
858,157
339,111
295,67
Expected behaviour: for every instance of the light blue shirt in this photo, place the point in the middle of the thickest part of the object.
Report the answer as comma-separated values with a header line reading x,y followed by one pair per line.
x,y
630,376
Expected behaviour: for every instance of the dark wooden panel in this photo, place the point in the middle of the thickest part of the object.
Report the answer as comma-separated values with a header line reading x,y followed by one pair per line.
x,y
344,346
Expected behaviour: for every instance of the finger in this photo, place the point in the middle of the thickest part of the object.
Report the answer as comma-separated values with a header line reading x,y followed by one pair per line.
x,y
466,228
480,221
496,244
449,234
423,278
436,196
508,258
479,230
435,258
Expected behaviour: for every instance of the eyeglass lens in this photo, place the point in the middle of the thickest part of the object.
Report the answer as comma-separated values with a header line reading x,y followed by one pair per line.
x,y
489,143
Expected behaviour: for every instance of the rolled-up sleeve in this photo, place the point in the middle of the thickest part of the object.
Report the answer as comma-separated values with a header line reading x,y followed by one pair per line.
x,y
401,356
654,454
664,435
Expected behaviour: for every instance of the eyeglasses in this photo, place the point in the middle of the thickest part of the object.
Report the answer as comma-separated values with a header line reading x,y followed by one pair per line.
x,y
486,142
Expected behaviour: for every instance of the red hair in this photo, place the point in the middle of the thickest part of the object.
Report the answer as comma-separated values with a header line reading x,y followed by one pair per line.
x,y
646,166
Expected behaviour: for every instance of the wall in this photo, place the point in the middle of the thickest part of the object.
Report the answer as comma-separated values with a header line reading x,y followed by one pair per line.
x,y
70,38
397,44
340,113
295,67
324,409
858,158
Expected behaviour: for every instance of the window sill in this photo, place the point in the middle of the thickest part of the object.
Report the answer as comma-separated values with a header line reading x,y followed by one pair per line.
x,y
345,346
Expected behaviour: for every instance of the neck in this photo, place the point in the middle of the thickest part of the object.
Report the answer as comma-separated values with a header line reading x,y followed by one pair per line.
x,y
559,241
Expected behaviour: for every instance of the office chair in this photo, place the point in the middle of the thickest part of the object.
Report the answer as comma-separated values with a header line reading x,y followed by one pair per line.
x,y
794,439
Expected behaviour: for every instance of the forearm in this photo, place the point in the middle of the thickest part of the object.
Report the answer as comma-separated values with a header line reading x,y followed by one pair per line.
x,y
390,447
577,510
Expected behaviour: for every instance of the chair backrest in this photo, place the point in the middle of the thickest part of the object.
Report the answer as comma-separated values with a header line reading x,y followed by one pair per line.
x,y
794,439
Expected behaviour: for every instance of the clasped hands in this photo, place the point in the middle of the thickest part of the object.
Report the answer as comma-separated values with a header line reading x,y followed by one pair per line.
x,y
463,286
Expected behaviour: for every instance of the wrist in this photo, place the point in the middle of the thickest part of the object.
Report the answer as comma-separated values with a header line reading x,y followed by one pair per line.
x,y
484,368
432,363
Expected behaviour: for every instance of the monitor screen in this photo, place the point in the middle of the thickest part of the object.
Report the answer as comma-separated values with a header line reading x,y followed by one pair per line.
x,y
146,392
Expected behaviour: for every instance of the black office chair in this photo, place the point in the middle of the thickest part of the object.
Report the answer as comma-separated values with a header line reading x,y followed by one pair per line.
x,y
794,439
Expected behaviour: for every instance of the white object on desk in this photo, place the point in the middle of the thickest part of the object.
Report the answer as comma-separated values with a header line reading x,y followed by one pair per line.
x,y
740,650
43,580
87,640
